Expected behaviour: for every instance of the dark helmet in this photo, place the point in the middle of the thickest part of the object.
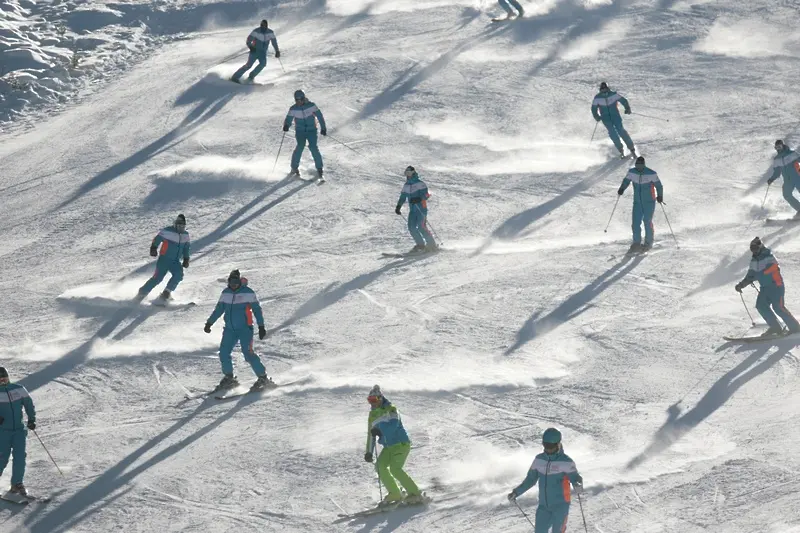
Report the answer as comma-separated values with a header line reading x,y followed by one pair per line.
x,y
299,95
604,86
756,245
180,220
779,145
3,374
640,160
264,23
551,436
410,171
235,279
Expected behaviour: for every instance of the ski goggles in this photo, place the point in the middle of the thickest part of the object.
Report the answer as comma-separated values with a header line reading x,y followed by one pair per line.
x,y
779,146
4,381
550,446
180,226
374,400
410,172
234,283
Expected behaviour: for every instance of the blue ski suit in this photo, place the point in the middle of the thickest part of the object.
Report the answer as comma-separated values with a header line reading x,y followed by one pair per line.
x,y
554,473
764,269
258,43
507,8
416,192
604,107
787,163
13,432
646,189
173,247
238,308
305,118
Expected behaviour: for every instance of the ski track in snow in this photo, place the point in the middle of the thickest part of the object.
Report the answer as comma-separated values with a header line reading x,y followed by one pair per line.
x,y
531,317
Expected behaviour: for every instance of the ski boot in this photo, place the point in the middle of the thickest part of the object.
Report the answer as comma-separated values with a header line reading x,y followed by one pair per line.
x,y
431,247
19,488
228,381
417,249
771,332
521,13
796,216
234,80
320,178
165,295
295,172
646,247
139,296
263,382
415,499
391,499
634,249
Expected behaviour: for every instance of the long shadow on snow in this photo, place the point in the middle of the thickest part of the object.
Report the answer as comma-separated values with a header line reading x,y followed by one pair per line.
x,y
169,191
678,425
211,99
81,505
390,521
573,306
355,18
515,225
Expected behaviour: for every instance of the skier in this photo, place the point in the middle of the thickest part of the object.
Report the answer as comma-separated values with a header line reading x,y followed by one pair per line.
x,y
647,190
258,43
555,471
13,435
764,268
305,115
173,257
384,424
238,303
416,192
787,162
509,12
604,107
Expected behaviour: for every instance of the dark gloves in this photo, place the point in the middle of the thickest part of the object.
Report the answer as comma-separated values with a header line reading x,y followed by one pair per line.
x,y
512,496
285,127
397,210
262,333
368,457
323,132
153,251
578,488
207,327
771,180
185,262
628,111
375,432
277,54
660,199
741,285
621,191
31,424
252,49
597,119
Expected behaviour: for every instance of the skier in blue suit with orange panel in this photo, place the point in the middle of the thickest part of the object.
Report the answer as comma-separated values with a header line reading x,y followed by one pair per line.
x,y
13,433
416,192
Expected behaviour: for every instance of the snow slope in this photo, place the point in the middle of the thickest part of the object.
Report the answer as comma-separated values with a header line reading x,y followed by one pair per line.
x,y
531,318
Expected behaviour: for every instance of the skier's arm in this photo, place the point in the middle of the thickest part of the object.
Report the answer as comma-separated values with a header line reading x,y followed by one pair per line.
x,y
256,307
402,199
625,183
288,121
27,403
321,119
274,42
596,111
187,249
370,448
530,481
251,40
622,100
776,171
156,243
659,188
218,311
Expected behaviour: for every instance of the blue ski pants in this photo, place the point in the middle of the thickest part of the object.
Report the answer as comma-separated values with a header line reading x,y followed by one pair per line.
x,y
504,5
244,337
615,131
164,266
788,188
643,214
302,137
13,440
417,217
553,520
771,298
262,62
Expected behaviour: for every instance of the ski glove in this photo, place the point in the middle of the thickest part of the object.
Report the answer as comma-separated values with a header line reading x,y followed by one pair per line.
x,y
375,432
185,262
207,328
397,210
285,127
31,424
262,333
153,251
323,132
660,199
512,496
252,49
739,286
621,191
628,111
770,181
368,457
578,488
277,54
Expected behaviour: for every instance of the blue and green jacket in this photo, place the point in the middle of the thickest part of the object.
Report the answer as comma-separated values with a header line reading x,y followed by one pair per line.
x,y
13,398
175,245
415,191
386,420
646,185
554,473
238,308
305,118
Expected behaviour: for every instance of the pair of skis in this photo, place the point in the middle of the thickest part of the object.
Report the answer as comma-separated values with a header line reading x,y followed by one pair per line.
x,y
758,338
15,497
387,508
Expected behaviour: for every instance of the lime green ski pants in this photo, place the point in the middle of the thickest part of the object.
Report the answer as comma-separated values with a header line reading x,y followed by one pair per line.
x,y
390,468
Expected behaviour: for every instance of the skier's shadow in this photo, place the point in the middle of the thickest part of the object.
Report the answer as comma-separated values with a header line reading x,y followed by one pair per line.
x,y
393,519
573,306
677,425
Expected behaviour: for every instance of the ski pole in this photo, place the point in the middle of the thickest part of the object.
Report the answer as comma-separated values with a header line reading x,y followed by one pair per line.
x,y
670,226
48,453
524,514
612,213
279,152
331,137
281,64
650,116
380,487
435,235
580,503
764,201
753,322
597,123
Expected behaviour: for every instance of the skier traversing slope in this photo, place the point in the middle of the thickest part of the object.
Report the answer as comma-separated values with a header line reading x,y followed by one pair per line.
x,y
647,190
172,246
604,107
305,115
13,432
555,472
258,43
416,192
764,268
787,162
238,303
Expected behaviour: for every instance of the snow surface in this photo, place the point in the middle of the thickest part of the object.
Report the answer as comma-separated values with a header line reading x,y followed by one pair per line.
x,y
531,318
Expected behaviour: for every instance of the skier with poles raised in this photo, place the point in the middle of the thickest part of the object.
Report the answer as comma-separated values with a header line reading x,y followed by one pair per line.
x,y
238,303
555,471
509,12
305,115
787,162
13,432
647,190
764,268
385,425
605,109
416,192
172,246
258,43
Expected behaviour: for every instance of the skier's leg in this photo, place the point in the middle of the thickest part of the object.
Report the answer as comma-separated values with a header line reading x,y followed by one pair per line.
x,y
176,271
781,311
636,225
560,514
414,221
649,233
505,6
5,449
158,277
246,341
239,73
623,133
226,346
384,460
423,229
298,150
516,6
262,62
396,463
788,189
314,149
764,308
544,519
612,133
19,439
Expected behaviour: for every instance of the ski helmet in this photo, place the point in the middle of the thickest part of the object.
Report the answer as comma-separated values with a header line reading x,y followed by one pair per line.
x,y
264,23
756,245
779,145
299,95
375,396
551,436
603,86
180,220
410,171
234,279
3,375
639,163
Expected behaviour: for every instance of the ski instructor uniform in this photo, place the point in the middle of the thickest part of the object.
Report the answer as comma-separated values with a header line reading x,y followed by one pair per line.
x,y
305,115
604,107
787,162
172,246
258,43
13,433
647,190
